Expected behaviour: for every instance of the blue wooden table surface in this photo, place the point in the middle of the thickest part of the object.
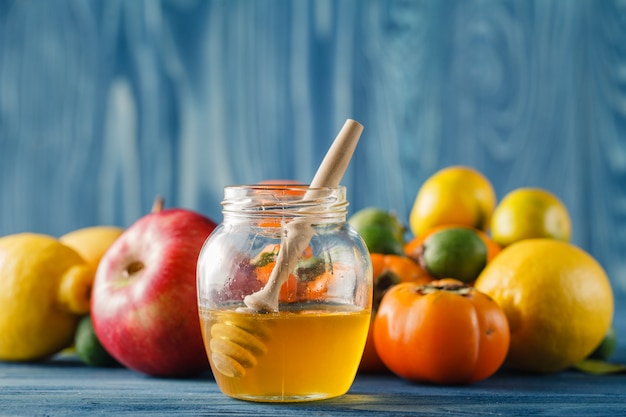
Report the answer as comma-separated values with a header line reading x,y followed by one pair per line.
x,y
65,387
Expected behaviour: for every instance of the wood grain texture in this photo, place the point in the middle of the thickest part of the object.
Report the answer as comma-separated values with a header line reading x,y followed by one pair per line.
x,y
67,388
103,105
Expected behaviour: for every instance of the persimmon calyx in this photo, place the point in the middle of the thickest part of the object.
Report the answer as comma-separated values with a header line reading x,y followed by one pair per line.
x,y
460,289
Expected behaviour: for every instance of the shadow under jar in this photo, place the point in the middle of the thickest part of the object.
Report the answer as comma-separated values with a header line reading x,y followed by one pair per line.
x,y
309,346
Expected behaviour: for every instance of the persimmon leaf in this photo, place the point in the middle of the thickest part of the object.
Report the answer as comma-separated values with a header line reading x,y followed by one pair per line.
x,y
599,367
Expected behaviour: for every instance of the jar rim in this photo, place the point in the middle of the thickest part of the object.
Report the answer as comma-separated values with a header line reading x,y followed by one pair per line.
x,y
288,199
280,186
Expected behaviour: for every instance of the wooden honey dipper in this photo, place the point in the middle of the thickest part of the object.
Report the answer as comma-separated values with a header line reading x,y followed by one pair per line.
x,y
297,233
235,345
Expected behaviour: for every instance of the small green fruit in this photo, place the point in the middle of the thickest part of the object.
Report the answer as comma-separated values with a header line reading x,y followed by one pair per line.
x,y
456,252
381,230
606,348
88,347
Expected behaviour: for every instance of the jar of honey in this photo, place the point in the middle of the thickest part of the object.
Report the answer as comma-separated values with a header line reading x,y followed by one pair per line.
x,y
284,294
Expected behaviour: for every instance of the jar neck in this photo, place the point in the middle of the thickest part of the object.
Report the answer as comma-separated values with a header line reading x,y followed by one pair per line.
x,y
327,204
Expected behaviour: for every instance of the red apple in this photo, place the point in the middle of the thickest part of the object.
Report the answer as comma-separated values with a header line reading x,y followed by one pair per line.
x,y
144,304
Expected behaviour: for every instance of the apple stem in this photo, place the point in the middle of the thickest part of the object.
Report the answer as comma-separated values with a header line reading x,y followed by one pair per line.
x,y
157,205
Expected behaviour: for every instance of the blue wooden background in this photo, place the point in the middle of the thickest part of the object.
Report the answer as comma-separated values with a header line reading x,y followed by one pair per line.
x,y
104,104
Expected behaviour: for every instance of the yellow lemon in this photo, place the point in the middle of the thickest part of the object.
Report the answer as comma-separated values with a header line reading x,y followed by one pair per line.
x,y
45,288
456,195
527,213
557,299
91,243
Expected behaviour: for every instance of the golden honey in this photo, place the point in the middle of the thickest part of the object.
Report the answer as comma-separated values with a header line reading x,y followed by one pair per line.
x,y
296,354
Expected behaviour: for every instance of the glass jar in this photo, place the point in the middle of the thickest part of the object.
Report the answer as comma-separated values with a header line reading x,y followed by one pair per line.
x,y
290,326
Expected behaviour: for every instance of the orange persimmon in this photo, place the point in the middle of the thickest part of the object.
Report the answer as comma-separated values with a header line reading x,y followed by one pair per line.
x,y
444,332
388,270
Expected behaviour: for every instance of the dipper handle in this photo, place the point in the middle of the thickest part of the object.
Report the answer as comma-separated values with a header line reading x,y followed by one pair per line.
x,y
335,163
297,233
